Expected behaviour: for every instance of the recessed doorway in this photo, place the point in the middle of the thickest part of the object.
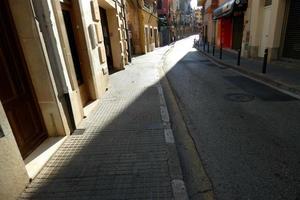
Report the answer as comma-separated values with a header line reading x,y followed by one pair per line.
x,y
73,39
16,91
106,37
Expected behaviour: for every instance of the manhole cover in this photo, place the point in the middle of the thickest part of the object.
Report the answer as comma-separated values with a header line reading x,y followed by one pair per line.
x,y
238,97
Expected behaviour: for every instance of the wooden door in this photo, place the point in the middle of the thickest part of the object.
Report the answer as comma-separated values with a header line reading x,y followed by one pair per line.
x,y
16,91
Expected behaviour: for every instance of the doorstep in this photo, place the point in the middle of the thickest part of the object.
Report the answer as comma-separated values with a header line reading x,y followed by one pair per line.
x,y
90,107
40,156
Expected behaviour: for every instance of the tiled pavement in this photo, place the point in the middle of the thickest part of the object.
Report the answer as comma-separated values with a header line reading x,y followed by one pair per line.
x,y
122,153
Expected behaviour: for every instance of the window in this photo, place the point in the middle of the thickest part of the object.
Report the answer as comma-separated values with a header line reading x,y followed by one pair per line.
x,y
147,4
268,2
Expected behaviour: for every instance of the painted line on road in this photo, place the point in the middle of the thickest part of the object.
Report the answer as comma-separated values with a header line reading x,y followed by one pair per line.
x,y
178,185
169,137
179,190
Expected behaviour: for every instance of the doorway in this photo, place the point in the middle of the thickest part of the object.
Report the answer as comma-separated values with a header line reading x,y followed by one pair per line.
x,y
16,91
69,21
106,38
291,46
156,37
237,33
147,46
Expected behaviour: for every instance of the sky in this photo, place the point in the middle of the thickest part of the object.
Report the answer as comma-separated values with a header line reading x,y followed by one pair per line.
x,y
194,4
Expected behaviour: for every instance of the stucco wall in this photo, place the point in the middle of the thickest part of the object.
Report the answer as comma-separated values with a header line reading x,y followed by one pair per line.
x,y
133,24
254,26
148,20
138,20
99,71
277,16
13,175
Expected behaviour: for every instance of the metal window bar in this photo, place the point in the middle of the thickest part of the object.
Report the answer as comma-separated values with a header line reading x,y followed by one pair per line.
x,y
268,3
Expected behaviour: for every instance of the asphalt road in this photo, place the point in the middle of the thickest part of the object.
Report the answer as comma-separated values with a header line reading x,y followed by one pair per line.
x,y
247,134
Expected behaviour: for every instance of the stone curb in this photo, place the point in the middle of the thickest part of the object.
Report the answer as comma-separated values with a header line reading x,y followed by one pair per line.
x,y
198,183
287,89
178,185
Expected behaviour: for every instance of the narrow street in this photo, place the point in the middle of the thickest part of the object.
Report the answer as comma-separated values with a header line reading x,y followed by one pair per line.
x,y
120,151
247,134
150,99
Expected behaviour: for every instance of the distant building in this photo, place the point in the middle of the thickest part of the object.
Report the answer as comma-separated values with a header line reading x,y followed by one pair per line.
x,y
143,25
229,20
197,20
166,27
208,34
176,19
254,26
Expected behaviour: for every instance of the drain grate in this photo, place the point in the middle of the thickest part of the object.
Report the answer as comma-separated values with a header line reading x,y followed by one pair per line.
x,y
79,131
239,97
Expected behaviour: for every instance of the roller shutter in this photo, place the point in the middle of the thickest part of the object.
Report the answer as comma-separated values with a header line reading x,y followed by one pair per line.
x,y
291,47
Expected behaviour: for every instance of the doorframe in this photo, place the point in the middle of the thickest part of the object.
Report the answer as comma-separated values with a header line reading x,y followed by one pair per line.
x,y
103,12
85,60
81,43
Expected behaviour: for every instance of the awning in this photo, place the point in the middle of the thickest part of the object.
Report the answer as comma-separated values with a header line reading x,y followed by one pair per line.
x,y
229,7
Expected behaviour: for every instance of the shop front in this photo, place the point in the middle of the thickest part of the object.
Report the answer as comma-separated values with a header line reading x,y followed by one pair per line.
x,y
229,18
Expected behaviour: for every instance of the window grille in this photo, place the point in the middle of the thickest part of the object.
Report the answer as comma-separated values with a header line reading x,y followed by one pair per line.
x,y
268,2
147,4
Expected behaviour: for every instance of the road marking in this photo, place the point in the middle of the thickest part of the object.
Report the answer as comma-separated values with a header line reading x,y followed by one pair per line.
x,y
164,114
169,136
179,190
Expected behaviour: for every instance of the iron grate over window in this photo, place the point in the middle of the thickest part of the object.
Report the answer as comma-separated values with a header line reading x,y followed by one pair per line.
x,y
268,2
147,4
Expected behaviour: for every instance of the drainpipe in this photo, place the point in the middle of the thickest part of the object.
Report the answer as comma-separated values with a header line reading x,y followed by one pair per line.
x,y
42,14
127,32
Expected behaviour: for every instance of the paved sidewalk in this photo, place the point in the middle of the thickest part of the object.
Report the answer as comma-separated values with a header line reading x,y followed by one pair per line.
x,y
125,151
282,74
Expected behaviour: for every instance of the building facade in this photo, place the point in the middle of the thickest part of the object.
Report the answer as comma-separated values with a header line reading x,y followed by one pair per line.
x,y
254,26
53,71
143,25
272,25
209,27
166,27
198,20
229,23
176,20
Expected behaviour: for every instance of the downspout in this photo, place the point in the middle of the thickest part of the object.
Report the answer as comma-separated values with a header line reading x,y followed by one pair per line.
x,y
42,14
